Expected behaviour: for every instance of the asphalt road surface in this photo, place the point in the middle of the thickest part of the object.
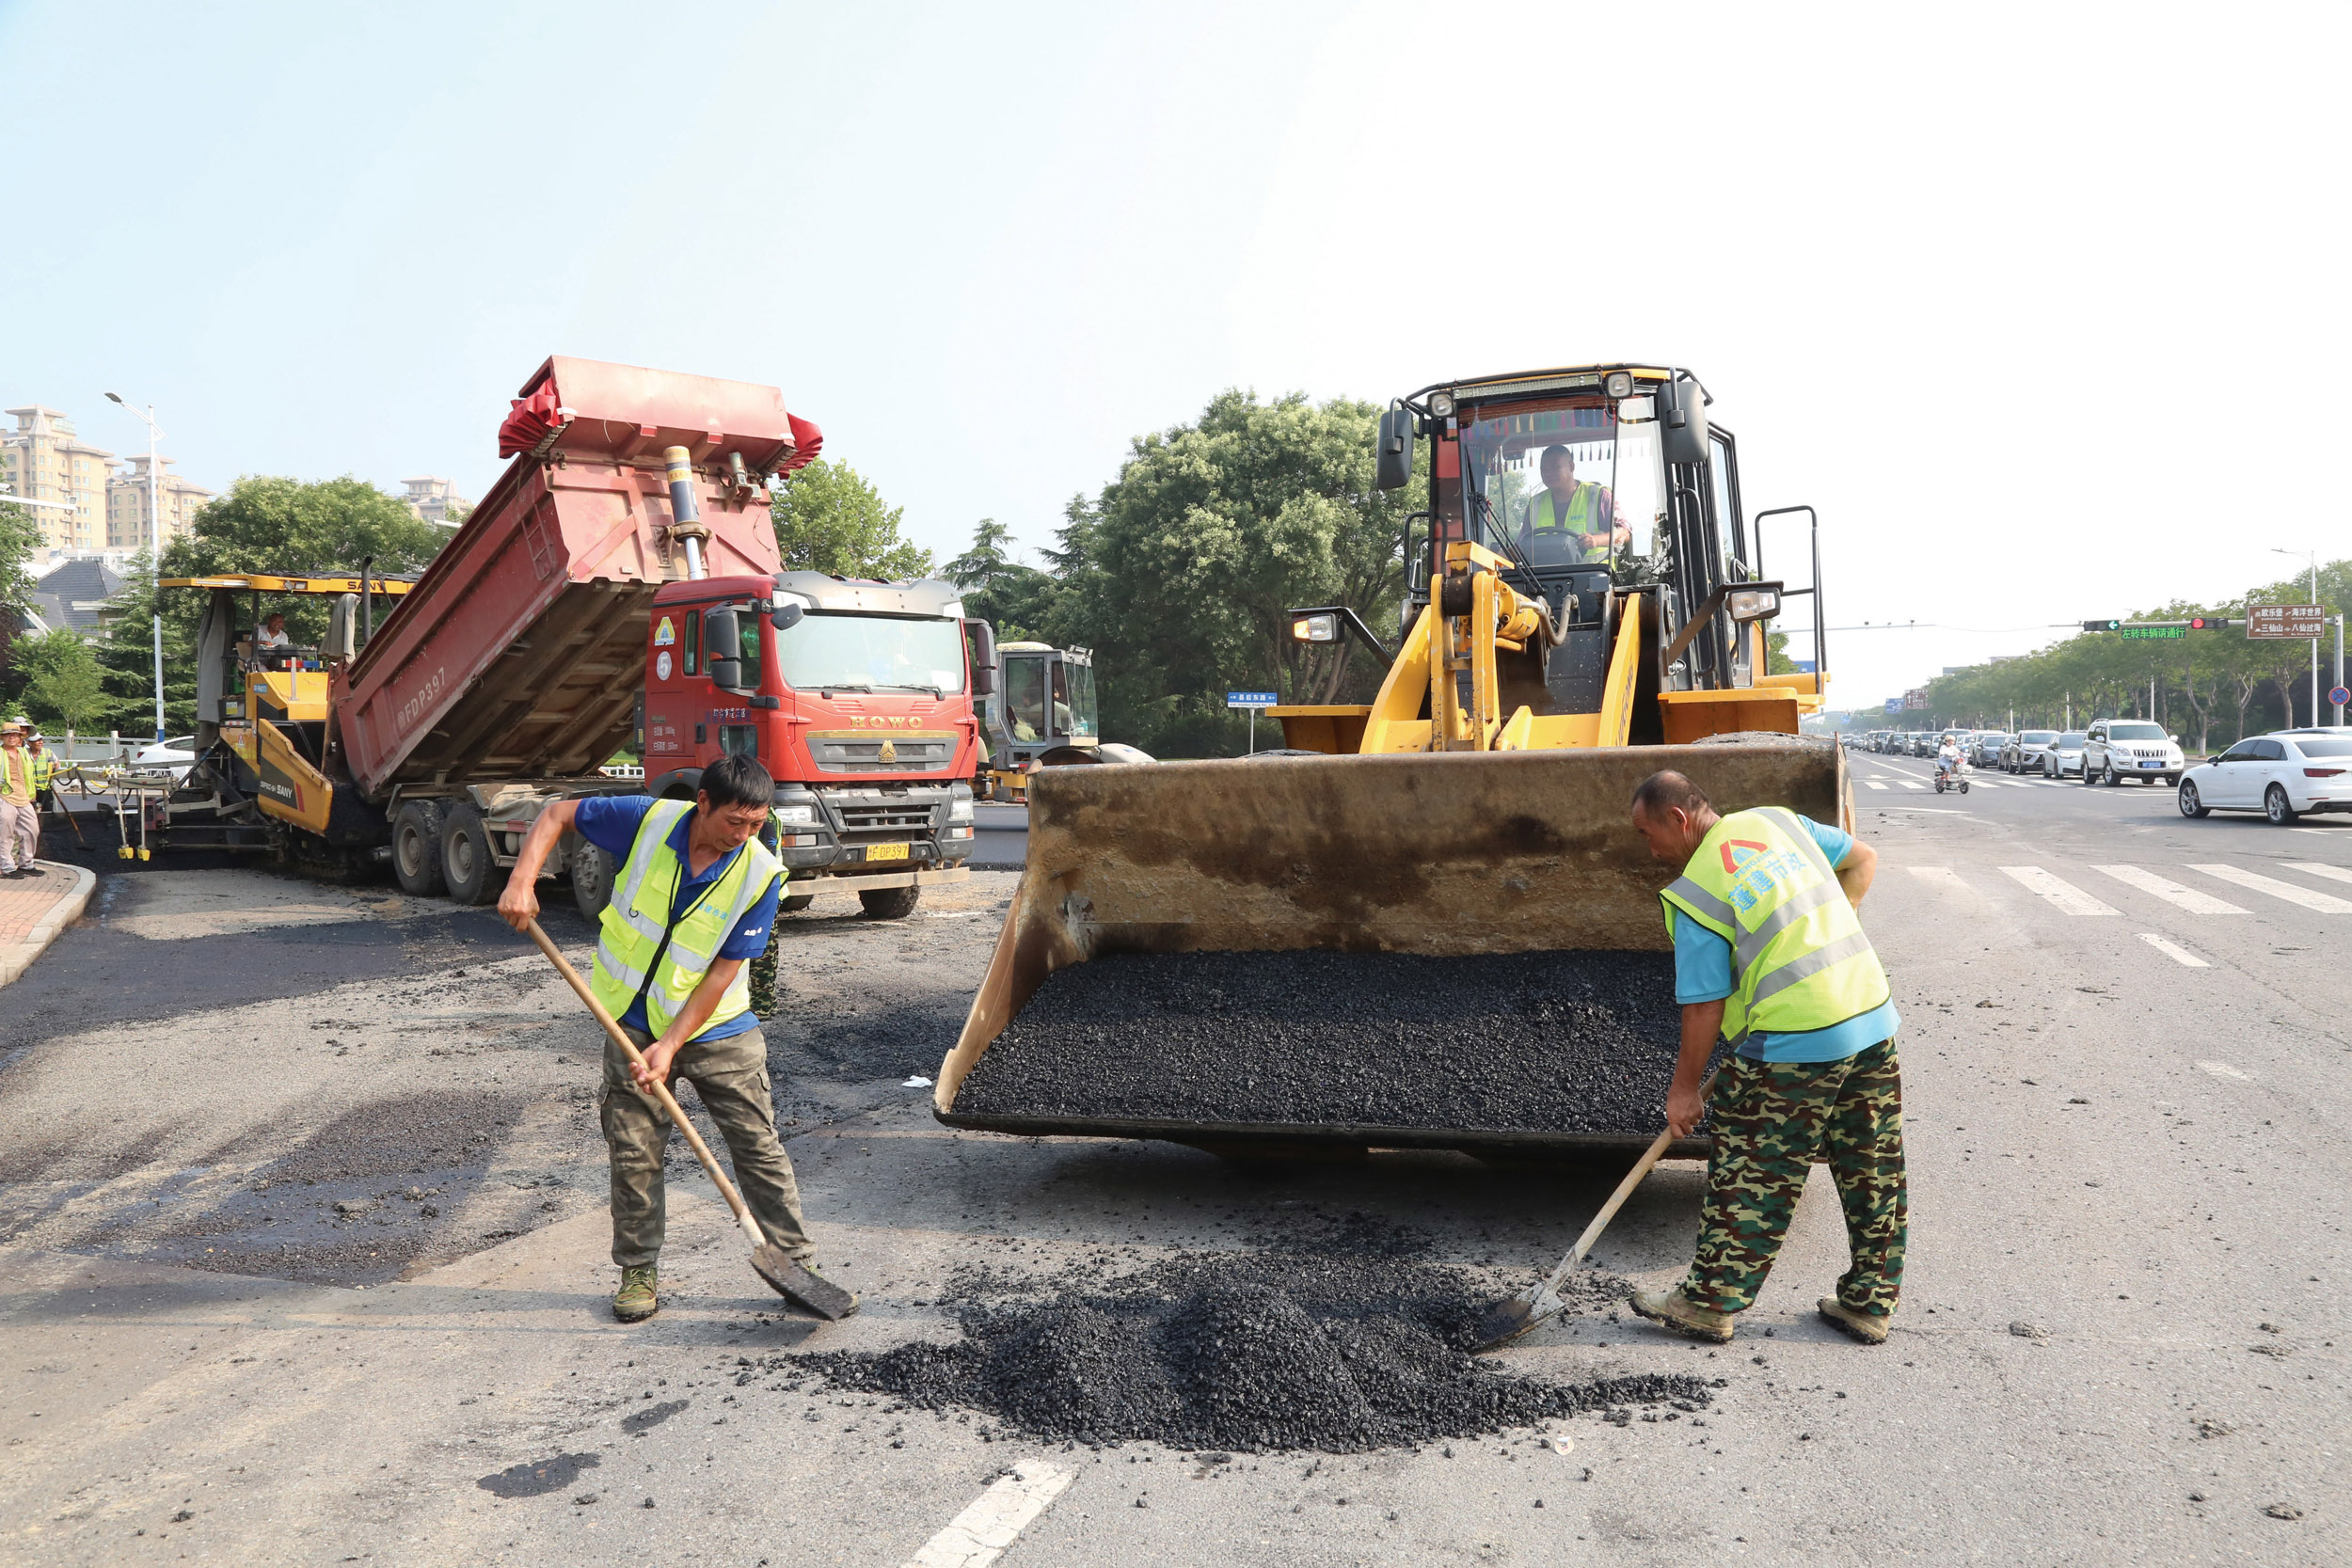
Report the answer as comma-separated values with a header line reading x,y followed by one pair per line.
x,y
2124,1048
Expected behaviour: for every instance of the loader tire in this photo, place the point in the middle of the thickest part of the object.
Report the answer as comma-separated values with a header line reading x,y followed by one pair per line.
x,y
593,874
416,849
466,863
888,903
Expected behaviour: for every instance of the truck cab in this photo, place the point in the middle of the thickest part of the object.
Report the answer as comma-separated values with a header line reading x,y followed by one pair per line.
x,y
857,696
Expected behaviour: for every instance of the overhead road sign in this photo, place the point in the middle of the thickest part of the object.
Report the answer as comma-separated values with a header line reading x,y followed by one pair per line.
x,y
2281,622
1894,704
2153,633
1251,699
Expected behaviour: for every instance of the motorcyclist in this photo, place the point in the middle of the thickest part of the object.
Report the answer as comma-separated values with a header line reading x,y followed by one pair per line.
x,y
1947,758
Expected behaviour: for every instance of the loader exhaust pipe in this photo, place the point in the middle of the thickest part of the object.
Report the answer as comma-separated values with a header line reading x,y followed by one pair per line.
x,y
686,524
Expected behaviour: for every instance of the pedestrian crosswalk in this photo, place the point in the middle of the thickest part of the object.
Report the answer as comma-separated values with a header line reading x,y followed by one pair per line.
x,y
2070,899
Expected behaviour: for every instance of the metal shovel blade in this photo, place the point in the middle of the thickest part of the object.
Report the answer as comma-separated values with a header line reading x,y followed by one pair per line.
x,y
1506,1320
810,1292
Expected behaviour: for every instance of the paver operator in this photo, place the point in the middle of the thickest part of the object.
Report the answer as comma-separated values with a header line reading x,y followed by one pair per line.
x,y
20,824
694,898
1771,955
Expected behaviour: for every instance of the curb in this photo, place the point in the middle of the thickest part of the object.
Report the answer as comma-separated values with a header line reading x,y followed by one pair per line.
x,y
64,912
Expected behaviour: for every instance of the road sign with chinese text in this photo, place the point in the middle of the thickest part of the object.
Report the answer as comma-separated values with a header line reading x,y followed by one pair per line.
x,y
2277,623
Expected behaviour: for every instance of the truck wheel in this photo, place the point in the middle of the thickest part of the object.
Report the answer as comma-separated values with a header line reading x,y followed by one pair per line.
x,y
888,903
416,849
593,874
465,861
796,903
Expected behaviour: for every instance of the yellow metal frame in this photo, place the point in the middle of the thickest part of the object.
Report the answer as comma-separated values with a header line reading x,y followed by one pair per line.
x,y
266,583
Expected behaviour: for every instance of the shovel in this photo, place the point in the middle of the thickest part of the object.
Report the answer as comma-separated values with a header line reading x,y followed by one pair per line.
x,y
1506,1319
809,1293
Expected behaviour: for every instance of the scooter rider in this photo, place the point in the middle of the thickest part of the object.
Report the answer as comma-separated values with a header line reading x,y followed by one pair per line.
x,y
1948,759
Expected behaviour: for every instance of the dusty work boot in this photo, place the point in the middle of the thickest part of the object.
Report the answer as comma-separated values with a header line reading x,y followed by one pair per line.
x,y
1671,1310
1866,1326
636,1301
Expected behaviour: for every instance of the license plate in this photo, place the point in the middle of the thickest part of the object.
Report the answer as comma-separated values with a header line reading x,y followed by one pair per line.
x,y
885,851
2152,764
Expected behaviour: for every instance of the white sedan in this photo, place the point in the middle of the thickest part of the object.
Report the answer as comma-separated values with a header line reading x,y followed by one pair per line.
x,y
2282,775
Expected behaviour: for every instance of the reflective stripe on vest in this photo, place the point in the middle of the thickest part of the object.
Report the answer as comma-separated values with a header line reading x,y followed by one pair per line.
x,y
1804,962
640,912
1543,513
44,769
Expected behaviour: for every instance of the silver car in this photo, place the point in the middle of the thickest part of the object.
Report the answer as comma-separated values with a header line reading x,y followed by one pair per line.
x,y
2063,755
2023,754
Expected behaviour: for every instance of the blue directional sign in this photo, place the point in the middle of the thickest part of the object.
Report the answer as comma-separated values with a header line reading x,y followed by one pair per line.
x,y
1252,699
1894,704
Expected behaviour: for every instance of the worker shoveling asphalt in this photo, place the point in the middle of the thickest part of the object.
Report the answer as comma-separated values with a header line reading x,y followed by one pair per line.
x,y
694,898
1770,957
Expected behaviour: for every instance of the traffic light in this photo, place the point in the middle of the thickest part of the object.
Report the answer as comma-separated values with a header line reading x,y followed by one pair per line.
x,y
2212,623
2103,626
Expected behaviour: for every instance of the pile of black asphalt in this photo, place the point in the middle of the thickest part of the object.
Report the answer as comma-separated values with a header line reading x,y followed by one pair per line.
x,y
1575,1042
1344,1347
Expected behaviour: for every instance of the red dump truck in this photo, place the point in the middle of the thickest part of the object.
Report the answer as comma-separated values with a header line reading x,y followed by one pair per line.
x,y
621,577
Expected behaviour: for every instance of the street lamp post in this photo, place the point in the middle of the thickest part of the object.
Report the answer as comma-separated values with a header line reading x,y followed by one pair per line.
x,y
2313,556
155,528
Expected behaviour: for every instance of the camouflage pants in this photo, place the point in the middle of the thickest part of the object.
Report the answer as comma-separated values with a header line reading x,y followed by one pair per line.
x,y
1772,1122
763,975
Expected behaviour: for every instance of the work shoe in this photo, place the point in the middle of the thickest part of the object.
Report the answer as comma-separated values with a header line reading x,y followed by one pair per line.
x,y
1672,1310
1866,1326
635,1301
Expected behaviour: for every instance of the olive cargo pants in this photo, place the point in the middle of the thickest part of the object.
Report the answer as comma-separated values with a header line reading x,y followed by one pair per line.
x,y
1772,1121
731,1078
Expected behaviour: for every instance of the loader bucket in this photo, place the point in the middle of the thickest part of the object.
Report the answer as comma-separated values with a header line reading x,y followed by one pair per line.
x,y
1441,855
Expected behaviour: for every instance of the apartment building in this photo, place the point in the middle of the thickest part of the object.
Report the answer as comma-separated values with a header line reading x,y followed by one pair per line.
x,y
128,526
44,458
435,499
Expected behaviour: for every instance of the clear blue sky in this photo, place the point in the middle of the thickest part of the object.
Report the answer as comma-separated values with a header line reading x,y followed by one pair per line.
x,y
2040,305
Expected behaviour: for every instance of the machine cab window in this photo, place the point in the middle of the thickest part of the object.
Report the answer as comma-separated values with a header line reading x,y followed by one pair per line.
x,y
1025,697
1580,482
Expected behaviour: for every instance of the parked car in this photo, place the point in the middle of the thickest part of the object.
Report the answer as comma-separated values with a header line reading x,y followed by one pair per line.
x,y
2119,748
2282,775
2023,754
176,755
1985,746
2063,755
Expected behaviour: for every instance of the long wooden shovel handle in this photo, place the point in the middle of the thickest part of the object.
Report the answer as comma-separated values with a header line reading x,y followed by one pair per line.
x,y
669,1102
1617,1199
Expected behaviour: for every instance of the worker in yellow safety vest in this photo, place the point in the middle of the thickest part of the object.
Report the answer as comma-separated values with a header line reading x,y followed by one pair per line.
x,y
1771,959
694,898
44,772
1566,523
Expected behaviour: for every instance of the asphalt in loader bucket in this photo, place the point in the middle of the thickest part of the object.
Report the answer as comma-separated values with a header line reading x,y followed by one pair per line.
x,y
1265,947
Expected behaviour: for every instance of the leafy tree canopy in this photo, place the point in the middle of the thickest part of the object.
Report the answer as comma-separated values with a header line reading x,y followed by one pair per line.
x,y
266,523
830,520
62,687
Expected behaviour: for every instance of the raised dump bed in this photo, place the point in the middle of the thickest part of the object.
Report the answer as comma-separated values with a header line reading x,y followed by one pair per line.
x,y
1452,951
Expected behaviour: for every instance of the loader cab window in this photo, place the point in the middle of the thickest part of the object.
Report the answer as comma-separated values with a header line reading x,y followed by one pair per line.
x,y
1080,697
1575,484
1024,698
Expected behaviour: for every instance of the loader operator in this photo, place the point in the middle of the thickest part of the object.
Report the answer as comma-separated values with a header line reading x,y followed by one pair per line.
x,y
693,898
1769,954
1567,524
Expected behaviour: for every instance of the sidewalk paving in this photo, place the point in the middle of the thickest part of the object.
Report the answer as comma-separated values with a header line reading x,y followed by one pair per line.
x,y
34,909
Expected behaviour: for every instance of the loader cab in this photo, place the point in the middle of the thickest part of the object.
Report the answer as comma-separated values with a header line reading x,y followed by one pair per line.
x,y
1044,703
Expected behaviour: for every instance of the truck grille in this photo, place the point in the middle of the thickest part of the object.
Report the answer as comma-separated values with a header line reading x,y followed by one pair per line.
x,y
892,821
864,753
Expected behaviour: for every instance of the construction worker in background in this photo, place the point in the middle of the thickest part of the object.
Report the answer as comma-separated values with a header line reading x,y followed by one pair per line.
x,y
1770,955
44,770
1566,524
20,824
694,898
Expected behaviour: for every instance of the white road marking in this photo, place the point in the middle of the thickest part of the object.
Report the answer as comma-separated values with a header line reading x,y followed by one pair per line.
x,y
2170,891
978,1535
2177,954
1874,783
2220,1069
2063,895
2335,873
2322,902
1913,783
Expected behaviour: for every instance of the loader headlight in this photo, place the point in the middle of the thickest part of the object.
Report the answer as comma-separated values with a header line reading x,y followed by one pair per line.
x,y
1316,629
1619,385
1441,405
1755,604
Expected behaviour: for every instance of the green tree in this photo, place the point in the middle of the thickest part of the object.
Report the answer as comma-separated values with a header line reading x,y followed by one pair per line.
x,y
269,523
63,685
1017,600
830,520
19,536
1184,572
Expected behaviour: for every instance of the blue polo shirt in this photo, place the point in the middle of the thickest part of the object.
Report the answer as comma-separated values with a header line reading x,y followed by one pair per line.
x,y
1703,974
611,822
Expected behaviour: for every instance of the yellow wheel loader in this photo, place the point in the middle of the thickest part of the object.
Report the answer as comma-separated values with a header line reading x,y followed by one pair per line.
x,y
1586,604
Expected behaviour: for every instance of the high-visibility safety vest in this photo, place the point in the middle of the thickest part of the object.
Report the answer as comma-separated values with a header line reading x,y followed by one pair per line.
x,y
639,913
1544,516
1760,882
44,769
